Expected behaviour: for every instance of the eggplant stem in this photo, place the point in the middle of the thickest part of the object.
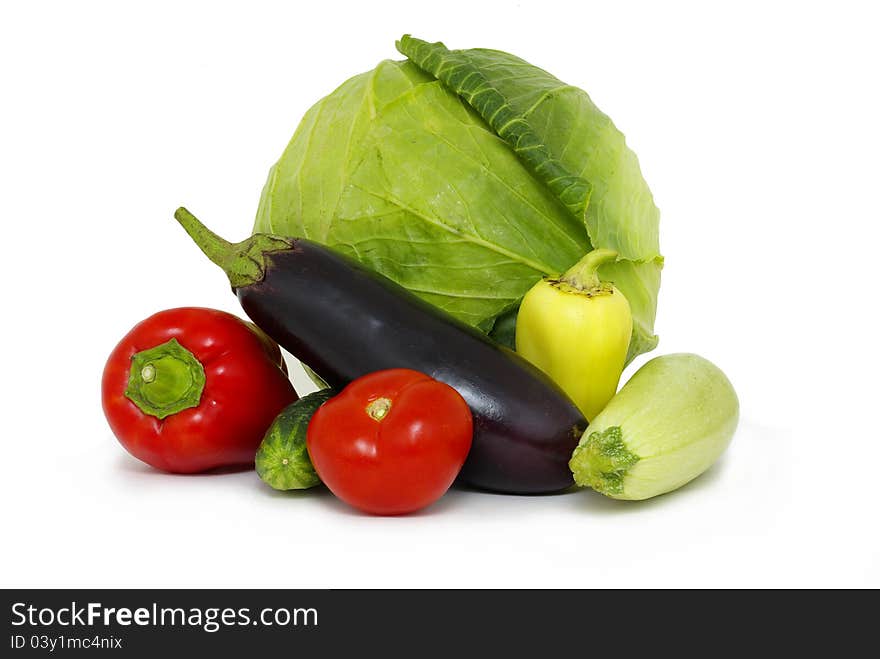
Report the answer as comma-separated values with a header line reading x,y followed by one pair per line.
x,y
214,247
245,262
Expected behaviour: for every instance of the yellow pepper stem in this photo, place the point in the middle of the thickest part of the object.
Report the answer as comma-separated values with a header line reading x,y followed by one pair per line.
x,y
583,275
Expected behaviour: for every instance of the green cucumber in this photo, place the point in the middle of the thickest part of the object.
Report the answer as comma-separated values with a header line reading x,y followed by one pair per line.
x,y
282,461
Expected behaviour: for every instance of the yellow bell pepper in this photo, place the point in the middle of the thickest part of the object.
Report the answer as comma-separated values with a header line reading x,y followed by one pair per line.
x,y
577,329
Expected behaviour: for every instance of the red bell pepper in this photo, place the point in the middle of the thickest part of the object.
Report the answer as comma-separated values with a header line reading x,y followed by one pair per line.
x,y
191,389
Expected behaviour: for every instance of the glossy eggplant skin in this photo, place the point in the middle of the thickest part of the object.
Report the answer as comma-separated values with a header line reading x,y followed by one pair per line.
x,y
345,321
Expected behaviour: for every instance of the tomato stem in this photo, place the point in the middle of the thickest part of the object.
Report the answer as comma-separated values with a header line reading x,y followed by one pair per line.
x,y
379,408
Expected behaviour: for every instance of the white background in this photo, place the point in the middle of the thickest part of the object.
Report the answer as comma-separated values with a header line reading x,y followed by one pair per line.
x,y
757,129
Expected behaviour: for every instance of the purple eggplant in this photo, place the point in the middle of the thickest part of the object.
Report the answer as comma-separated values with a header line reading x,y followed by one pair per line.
x,y
345,321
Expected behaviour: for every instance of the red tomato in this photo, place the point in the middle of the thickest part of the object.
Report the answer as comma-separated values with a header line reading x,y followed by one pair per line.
x,y
391,442
191,389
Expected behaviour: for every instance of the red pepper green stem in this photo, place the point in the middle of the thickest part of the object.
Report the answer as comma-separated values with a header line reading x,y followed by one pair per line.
x,y
165,379
245,262
584,275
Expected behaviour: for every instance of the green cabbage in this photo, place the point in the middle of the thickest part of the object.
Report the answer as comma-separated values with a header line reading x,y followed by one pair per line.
x,y
466,176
